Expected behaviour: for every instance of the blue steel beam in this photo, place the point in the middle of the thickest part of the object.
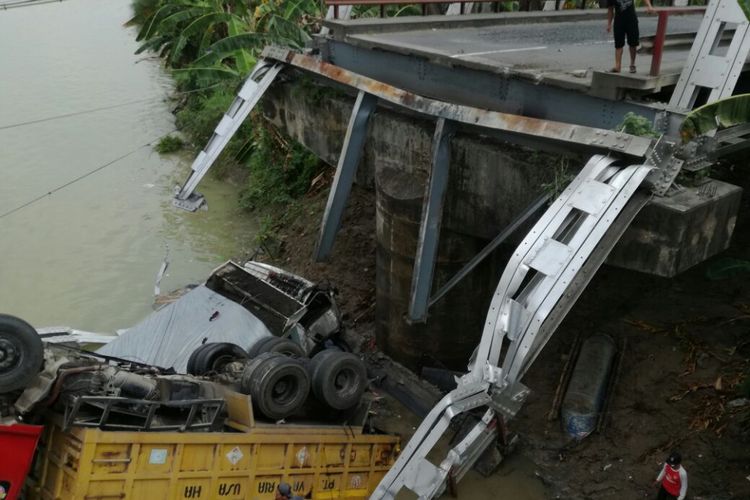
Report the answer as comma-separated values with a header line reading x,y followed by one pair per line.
x,y
493,91
521,219
432,214
346,170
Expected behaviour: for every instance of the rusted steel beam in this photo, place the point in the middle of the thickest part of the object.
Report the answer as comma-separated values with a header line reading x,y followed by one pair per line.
x,y
525,127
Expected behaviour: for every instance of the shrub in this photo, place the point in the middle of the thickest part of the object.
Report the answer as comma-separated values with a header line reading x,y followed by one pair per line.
x,y
169,144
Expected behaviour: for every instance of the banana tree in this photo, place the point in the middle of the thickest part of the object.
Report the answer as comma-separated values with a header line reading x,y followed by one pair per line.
x,y
725,113
182,31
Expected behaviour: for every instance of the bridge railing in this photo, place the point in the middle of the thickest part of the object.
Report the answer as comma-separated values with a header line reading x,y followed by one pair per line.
x,y
661,34
423,3
500,6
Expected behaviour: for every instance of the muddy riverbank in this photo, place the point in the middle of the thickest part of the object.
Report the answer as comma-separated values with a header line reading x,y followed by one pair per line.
x,y
85,201
687,350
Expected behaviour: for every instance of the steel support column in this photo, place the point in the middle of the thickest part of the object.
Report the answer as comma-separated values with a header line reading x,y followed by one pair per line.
x,y
346,170
522,218
432,214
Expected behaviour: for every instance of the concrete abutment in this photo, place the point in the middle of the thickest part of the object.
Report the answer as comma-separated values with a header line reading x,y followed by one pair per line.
x,y
490,183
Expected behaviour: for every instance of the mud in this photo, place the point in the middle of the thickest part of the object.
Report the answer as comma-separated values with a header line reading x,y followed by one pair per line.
x,y
687,350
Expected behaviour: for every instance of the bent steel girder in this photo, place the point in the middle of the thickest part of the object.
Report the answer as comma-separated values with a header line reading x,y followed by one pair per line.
x,y
412,470
708,66
593,226
260,79
584,220
512,277
578,284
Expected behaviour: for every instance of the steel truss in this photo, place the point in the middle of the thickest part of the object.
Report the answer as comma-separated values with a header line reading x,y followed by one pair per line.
x,y
710,66
540,283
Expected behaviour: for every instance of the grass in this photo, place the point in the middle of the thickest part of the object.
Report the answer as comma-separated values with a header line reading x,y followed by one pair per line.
x,y
280,169
169,144
561,179
634,124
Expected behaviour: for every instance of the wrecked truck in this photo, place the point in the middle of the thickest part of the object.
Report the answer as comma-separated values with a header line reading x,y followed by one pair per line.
x,y
252,348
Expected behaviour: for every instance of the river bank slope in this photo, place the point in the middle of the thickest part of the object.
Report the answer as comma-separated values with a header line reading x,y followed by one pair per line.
x,y
687,350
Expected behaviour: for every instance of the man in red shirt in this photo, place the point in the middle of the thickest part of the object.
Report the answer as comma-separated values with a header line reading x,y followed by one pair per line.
x,y
673,479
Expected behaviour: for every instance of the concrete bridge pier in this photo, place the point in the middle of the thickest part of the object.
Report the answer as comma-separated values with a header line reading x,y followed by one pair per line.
x,y
489,184
454,325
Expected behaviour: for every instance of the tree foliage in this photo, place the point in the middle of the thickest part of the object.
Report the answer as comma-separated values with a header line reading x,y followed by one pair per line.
x,y
725,113
220,39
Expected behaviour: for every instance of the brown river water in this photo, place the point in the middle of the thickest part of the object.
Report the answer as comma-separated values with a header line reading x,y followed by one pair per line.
x,y
73,98
87,255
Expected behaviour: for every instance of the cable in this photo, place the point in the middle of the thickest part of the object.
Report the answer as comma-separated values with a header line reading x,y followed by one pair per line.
x,y
68,115
25,3
80,177
94,110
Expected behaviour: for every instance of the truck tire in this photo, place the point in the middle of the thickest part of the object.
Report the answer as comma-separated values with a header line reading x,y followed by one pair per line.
x,y
338,378
213,357
279,385
276,344
21,353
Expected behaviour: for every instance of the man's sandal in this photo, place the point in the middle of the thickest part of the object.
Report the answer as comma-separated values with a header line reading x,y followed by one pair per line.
x,y
614,70
632,69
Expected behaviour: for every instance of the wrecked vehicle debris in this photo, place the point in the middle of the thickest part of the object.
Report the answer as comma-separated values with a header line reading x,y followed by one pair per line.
x,y
254,344
586,391
239,305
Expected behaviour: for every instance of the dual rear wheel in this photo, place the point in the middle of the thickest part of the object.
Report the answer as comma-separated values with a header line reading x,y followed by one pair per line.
x,y
279,377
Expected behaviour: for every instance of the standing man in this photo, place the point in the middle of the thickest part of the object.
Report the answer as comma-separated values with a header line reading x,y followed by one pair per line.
x,y
673,479
626,24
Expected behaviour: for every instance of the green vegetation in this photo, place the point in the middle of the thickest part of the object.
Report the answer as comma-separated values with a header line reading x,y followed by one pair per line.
x,y
745,6
727,112
562,177
210,46
169,144
280,170
634,124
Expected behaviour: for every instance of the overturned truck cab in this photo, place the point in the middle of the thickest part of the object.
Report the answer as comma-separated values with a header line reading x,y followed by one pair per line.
x,y
239,305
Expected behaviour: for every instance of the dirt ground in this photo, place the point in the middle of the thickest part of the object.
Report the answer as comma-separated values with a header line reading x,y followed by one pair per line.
x,y
687,346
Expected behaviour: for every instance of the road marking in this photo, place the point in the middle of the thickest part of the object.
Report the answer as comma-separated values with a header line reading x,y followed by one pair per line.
x,y
499,51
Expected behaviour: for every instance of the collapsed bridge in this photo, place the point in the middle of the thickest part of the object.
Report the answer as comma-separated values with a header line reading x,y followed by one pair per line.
x,y
471,99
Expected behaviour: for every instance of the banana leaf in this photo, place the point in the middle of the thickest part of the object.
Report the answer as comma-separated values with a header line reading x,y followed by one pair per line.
x,y
183,15
202,23
727,268
242,57
720,114
149,29
154,44
228,46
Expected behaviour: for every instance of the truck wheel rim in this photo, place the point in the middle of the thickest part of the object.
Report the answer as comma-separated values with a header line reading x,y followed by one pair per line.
x,y
345,381
10,354
284,390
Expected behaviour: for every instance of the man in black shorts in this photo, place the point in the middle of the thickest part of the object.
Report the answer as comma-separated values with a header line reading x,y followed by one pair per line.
x,y
626,24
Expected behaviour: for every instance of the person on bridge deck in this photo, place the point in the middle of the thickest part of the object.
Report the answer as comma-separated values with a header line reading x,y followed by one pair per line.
x,y
626,24
673,479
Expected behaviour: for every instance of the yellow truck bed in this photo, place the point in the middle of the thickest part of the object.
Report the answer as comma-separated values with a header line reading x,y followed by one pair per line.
x,y
317,461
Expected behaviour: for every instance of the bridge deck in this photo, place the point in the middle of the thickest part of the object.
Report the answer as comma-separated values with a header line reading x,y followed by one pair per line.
x,y
554,48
